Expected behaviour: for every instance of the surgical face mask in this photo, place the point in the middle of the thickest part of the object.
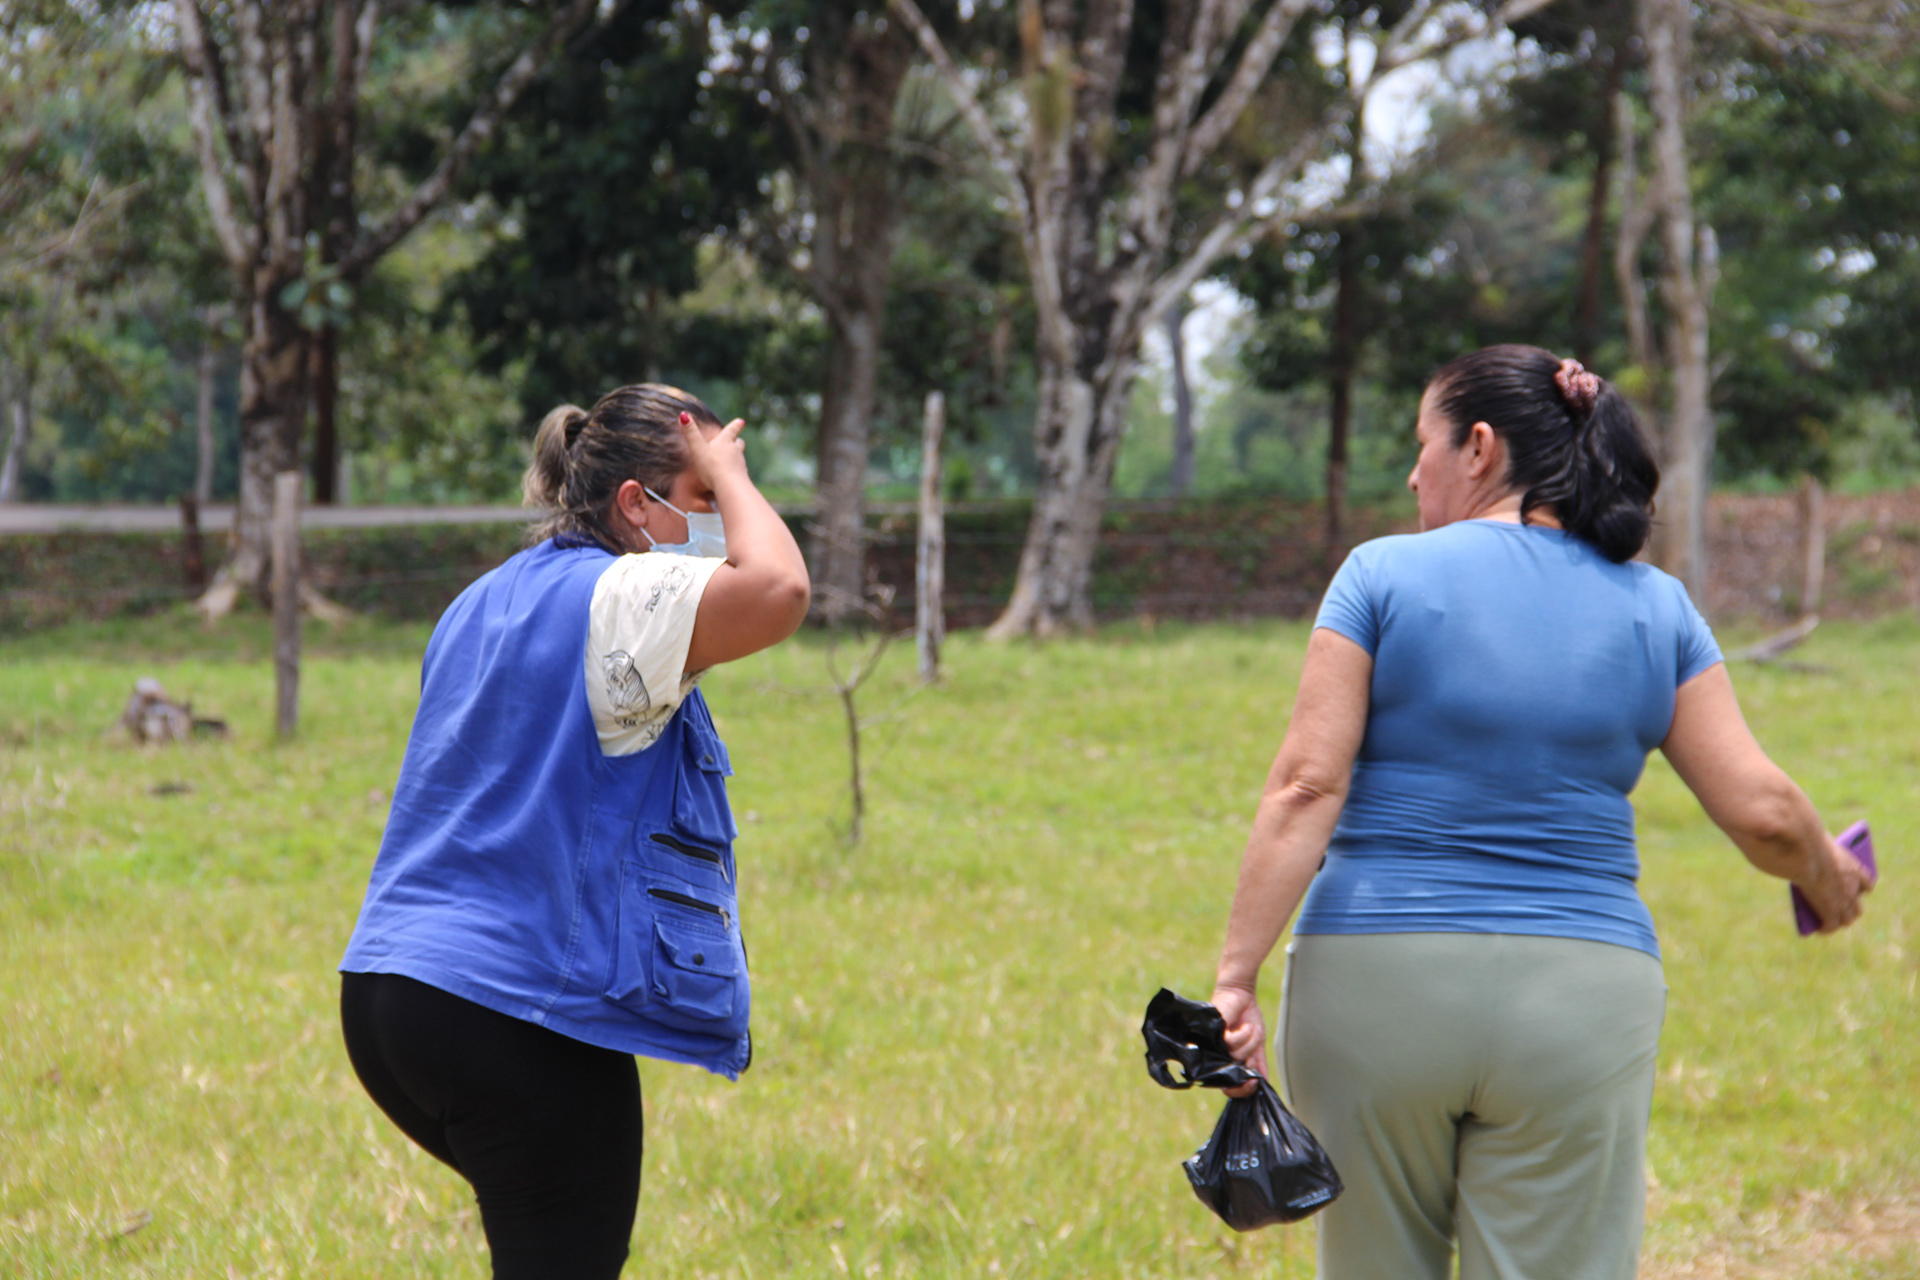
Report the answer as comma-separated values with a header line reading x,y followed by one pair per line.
x,y
706,535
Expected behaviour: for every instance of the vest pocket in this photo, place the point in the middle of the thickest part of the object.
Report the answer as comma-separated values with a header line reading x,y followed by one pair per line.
x,y
677,959
703,859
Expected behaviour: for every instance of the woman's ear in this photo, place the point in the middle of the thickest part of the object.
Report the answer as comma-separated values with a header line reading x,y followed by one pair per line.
x,y
630,509
1485,456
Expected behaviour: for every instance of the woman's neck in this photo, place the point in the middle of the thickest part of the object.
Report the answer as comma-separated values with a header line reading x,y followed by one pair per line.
x,y
1506,510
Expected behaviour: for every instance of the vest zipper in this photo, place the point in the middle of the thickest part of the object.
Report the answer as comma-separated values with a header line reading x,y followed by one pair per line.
x,y
681,899
692,851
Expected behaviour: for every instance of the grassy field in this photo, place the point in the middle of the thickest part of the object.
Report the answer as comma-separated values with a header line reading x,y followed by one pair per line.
x,y
948,1078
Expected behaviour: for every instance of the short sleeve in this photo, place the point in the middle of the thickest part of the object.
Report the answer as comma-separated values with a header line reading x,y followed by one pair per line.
x,y
639,628
1349,607
1698,650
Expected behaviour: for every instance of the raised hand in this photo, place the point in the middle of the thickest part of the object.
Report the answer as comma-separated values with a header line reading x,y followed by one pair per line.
x,y
718,457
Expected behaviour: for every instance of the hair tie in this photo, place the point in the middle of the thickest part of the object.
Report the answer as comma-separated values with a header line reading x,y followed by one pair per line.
x,y
1578,388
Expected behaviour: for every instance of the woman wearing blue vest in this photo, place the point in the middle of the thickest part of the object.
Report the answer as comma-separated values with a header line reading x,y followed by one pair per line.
x,y
555,890
1473,994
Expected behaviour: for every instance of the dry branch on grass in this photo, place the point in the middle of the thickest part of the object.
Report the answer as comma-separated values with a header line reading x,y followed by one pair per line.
x,y
1779,643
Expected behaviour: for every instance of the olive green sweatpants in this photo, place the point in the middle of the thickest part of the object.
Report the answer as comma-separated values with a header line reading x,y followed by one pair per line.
x,y
1481,1091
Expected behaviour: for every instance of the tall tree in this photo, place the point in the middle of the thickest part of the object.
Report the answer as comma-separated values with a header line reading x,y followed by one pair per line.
x,y
1568,101
1686,262
269,85
853,63
1099,214
613,179
861,125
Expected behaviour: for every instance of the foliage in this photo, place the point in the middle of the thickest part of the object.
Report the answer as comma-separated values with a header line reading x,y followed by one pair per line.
x,y
104,264
1806,178
1813,186
602,187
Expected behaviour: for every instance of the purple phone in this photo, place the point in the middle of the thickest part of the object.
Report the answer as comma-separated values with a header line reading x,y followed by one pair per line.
x,y
1856,840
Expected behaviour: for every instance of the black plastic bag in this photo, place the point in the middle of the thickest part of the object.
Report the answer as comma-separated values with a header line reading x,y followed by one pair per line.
x,y
1261,1165
1193,1034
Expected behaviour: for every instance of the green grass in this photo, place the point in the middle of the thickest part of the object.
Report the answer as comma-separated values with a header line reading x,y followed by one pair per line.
x,y
948,1078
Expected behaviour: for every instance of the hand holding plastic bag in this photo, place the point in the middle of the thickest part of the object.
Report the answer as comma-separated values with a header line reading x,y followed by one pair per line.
x,y
1261,1165
1193,1034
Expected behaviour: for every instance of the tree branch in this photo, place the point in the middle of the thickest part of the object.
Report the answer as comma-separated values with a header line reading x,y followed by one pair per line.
x,y
1239,228
1636,220
285,222
1041,254
984,133
479,129
1275,28
1399,49
1227,235
204,113
256,107
212,68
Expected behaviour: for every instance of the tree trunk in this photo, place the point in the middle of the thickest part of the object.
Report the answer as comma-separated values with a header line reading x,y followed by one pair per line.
x,y
325,463
19,410
846,432
203,420
1180,477
1667,32
1344,355
1586,307
855,74
273,389
1340,366
1636,220
1077,434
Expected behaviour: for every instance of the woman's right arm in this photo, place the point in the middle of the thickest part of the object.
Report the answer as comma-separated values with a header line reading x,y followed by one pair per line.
x,y
1752,799
1305,791
759,596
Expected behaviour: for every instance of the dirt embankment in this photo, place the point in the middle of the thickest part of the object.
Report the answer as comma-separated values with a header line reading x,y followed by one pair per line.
x,y
1756,555
1244,556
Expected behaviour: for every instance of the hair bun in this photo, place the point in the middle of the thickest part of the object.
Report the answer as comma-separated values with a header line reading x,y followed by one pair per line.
x,y
1579,388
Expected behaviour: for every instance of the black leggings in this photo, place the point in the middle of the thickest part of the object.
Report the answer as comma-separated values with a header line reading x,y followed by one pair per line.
x,y
546,1128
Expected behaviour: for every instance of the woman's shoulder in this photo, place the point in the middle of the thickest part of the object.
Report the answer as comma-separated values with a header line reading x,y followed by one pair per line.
x,y
1412,551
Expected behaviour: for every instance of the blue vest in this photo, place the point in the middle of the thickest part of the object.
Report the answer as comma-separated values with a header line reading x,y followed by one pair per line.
x,y
524,870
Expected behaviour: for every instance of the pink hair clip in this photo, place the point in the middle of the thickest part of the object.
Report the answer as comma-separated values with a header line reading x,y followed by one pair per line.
x,y
1578,388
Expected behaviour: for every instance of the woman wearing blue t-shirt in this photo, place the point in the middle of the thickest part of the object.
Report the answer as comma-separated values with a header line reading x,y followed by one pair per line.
x,y
555,890
1473,995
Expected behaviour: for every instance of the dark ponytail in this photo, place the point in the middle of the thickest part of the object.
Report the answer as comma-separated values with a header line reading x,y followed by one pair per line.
x,y
1578,450
581,457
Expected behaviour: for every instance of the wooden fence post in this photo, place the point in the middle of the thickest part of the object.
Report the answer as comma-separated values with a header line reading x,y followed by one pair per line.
x,y
930,569
287,488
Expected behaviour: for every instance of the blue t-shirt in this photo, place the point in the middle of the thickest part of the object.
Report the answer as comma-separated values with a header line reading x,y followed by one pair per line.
x,y
1519,680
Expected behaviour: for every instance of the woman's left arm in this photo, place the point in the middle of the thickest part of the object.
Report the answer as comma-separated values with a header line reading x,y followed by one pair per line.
x,y
1305,791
